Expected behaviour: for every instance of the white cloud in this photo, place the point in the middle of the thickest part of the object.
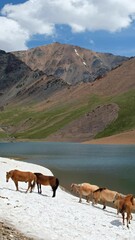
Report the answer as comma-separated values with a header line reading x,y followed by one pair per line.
x,y
40,17
12,35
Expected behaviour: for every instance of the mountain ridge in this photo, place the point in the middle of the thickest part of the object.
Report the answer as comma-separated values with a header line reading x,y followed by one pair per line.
x,y
47,93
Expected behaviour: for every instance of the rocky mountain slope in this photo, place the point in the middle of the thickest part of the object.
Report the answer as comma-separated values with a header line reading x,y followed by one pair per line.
x,y
40,71
70,63
64,93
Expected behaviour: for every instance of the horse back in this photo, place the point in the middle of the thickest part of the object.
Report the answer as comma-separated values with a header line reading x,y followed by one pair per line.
x,y
22,176
46,180
108,195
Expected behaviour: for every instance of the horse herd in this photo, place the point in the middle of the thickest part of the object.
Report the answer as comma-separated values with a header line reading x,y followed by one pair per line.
x,y
32,179
123,204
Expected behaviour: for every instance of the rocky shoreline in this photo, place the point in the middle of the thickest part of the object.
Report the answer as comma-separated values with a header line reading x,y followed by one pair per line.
x,y
10,233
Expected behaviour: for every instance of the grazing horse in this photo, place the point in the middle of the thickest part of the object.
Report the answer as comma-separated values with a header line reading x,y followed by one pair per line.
x,y
104,195
20,176
47,180
125,205
84,189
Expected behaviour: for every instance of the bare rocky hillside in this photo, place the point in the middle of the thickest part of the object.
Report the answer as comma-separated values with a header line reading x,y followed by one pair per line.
x,y
40,72
70,63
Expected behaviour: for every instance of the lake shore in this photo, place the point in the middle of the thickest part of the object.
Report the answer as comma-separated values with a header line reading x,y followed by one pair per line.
x,y
47,218
122,138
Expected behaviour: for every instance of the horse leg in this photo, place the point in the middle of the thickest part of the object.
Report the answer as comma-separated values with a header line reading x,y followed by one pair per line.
x,y
129,217
80,199
88,198
94,201
123,217
32,186
29,186
16,184
39,188
104,205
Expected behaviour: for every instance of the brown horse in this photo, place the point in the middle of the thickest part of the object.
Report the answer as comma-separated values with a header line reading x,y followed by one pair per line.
x,y
117,199
17,175
84,189
104,195
47,180
125,205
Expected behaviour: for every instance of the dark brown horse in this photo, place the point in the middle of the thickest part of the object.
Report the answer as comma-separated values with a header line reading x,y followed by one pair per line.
x,y
17,175
47,180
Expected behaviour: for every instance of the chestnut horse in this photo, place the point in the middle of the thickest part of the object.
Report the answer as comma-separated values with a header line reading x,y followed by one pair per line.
x,y
47,180
125,205
20,176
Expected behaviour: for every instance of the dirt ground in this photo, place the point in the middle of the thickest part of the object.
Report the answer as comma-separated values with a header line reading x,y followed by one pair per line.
x,y
123,138
9,233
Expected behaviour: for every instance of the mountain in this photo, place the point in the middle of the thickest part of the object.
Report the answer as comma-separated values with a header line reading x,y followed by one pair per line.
x,y
70,63
65,93
37,73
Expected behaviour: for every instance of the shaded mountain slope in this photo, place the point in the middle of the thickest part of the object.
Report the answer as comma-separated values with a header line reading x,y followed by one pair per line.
x,y
19,82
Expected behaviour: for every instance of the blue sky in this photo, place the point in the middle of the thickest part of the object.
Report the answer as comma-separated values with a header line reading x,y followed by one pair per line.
x,y
99,25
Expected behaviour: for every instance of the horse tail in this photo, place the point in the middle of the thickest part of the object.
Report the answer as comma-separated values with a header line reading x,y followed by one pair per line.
x,y
33,182
54,188
57,183
123,208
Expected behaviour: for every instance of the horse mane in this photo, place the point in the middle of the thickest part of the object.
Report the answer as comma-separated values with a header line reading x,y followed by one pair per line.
x,y
11,172
99,190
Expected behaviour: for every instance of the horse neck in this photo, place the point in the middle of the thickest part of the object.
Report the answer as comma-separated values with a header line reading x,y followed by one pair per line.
x,y
11,173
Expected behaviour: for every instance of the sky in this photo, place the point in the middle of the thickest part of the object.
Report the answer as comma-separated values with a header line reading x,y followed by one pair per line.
x,y
62,217
98,25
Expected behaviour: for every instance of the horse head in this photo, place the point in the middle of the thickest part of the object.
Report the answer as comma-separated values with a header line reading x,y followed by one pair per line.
x,y
8,175
72,186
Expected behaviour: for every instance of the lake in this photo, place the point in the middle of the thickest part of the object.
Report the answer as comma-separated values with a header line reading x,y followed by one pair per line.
x,y
111,166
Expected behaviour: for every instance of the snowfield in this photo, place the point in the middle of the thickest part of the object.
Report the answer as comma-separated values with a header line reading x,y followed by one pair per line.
x,y
61,218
